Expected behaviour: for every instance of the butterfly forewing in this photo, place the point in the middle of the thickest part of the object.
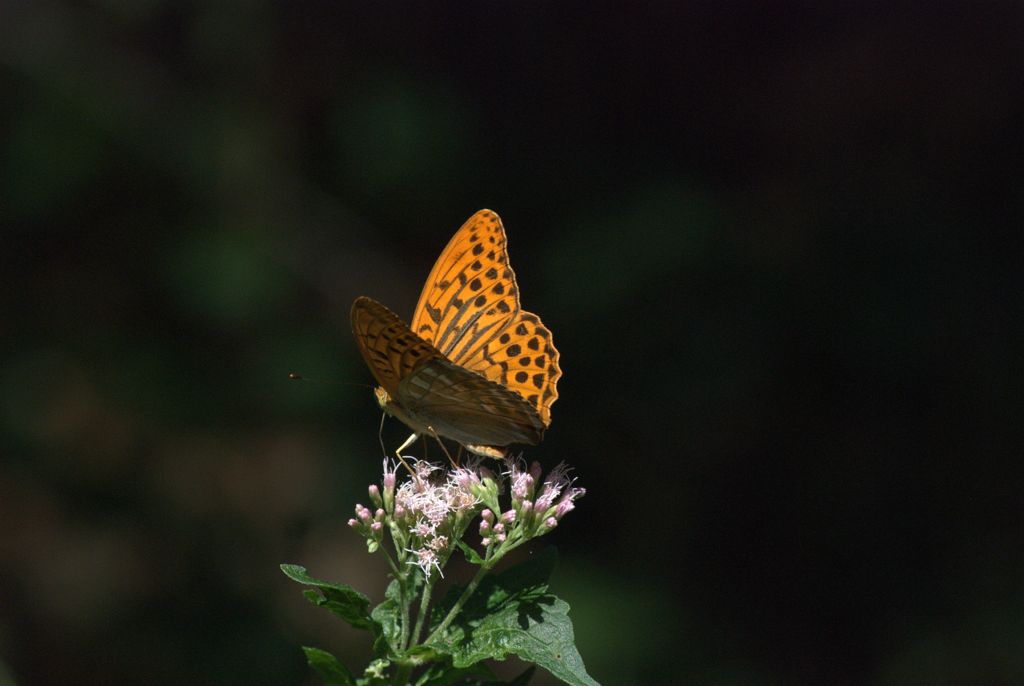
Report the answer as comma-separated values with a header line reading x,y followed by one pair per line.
x,y
471,289
469,309
390,349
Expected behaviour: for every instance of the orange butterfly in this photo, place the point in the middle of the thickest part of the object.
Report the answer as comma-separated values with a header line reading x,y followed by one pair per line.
x,y
473,367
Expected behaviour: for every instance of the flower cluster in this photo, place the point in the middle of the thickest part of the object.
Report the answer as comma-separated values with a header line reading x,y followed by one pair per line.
x,y
537,506
428,513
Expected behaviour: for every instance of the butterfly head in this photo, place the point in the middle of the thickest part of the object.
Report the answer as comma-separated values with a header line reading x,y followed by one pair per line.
x,y
383,399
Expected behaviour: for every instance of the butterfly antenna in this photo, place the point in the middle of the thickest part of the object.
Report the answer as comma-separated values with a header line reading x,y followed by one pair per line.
x,y
380,435
296,376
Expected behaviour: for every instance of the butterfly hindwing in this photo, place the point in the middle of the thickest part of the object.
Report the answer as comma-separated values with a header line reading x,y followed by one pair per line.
x,y
522,358
467,407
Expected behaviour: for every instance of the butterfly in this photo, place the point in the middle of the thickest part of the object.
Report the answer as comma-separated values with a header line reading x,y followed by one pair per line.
x,y
474,367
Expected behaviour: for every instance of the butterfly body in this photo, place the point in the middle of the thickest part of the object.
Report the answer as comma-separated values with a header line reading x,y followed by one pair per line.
x,y
473,367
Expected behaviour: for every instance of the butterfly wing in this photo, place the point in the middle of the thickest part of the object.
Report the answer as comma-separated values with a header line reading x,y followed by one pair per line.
x,y
390,349
469,309
433,391
467,407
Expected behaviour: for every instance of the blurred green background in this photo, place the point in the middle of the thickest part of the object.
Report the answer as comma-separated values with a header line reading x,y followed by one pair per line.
x,y
779,246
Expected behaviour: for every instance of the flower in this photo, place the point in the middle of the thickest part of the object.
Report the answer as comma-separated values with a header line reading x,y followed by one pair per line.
x,y
430,511
426,560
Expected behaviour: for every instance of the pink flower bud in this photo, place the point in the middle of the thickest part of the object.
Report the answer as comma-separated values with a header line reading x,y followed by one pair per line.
x,y
376,527
500,538
485,541
499,528
551,522
375,495
353,523
379,514
399,512
526,506
564,508
508,516
485,526
487,515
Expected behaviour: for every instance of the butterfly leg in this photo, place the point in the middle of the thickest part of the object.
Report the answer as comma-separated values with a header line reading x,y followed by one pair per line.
x,y
409,441
398,452
454,463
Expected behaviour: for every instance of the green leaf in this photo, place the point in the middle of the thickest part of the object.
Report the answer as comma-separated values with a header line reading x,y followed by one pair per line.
x,y
471,555
342,600
513,614
388,616
327,666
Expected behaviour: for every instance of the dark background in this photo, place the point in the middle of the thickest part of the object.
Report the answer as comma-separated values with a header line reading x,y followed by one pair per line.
x,y
779,246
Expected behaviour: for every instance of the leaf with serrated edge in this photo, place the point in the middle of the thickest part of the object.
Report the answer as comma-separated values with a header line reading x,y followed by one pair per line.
x,y
513,614
327,666
342,600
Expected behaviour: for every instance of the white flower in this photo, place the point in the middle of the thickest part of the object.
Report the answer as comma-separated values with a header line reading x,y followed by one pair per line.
x,y
426,559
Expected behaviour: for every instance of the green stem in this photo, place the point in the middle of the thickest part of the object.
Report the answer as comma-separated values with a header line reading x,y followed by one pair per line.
x,y
428,589
401,677
405,601
391,561
484,568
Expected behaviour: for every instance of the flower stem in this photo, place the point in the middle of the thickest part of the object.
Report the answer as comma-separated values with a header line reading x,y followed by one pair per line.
x,y
484,568
401,677
428,588
404,601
